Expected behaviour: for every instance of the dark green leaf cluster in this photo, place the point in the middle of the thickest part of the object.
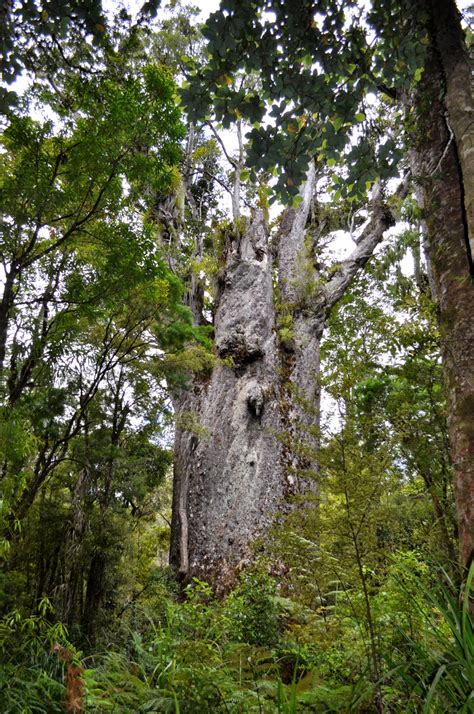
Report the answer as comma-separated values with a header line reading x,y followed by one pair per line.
x,y
46,38
317,63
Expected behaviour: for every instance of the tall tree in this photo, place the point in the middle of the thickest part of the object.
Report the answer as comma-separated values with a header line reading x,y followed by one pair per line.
x,y
90,318
318,64
444,169
240,443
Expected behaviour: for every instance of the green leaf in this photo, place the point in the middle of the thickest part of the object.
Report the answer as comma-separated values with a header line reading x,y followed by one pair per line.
x,y
418,74
337,123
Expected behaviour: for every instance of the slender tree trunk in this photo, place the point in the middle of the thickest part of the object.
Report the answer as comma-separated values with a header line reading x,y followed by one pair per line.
x,y
238,166
74,551
443,165
5,19
6,305
94,594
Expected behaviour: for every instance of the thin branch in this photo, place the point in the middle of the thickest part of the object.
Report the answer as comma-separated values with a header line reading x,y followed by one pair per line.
x,y
446,148
79,222
231,161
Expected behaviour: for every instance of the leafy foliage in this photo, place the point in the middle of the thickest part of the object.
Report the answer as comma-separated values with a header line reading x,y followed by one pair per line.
x,y
55,36
317,66
33,676
92,321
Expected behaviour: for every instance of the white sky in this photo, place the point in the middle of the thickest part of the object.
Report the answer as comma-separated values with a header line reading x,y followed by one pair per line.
x,y
208,6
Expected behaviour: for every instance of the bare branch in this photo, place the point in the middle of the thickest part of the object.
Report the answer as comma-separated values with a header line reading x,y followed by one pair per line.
x,y
381,220
231,161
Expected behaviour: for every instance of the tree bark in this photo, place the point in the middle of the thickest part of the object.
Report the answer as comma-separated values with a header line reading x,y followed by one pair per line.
x,y
443,165
456,71
246,437
228,477
300,346
6,305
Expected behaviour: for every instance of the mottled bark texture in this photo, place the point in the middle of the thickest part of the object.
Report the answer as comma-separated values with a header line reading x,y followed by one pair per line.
x,y
246,437
228,475
300,340
456,71
443,166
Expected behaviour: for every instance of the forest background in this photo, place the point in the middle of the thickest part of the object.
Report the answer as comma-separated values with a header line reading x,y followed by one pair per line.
x,y
240,256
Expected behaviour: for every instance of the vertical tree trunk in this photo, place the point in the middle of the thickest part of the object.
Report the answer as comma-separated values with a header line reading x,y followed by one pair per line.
x,y
74,549
6,305
443,166
228,475
456,71
94,594
300,353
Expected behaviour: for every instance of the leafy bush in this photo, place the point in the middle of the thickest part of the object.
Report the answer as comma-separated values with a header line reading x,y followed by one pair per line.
x,y
40,669
440,674
252,611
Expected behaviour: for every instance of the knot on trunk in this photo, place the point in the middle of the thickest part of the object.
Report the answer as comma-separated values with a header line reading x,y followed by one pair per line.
x,y
241,347
255,399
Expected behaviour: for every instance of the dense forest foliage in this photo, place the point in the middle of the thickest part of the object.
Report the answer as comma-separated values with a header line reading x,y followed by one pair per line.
x,y
237,357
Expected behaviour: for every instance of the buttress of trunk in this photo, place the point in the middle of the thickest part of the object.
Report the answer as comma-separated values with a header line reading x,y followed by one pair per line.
x,y
228,480
439,172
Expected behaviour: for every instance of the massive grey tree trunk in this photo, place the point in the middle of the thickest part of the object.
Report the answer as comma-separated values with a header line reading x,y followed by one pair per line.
x,y
303,323
243,447
228,477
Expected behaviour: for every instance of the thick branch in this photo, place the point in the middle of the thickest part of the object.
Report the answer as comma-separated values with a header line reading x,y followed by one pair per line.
x,y
381,220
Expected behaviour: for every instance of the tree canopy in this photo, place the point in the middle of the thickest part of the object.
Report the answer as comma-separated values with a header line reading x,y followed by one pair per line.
x,y
319,69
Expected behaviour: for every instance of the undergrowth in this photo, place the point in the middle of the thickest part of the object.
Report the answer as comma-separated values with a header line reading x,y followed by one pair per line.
x,y
256,651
